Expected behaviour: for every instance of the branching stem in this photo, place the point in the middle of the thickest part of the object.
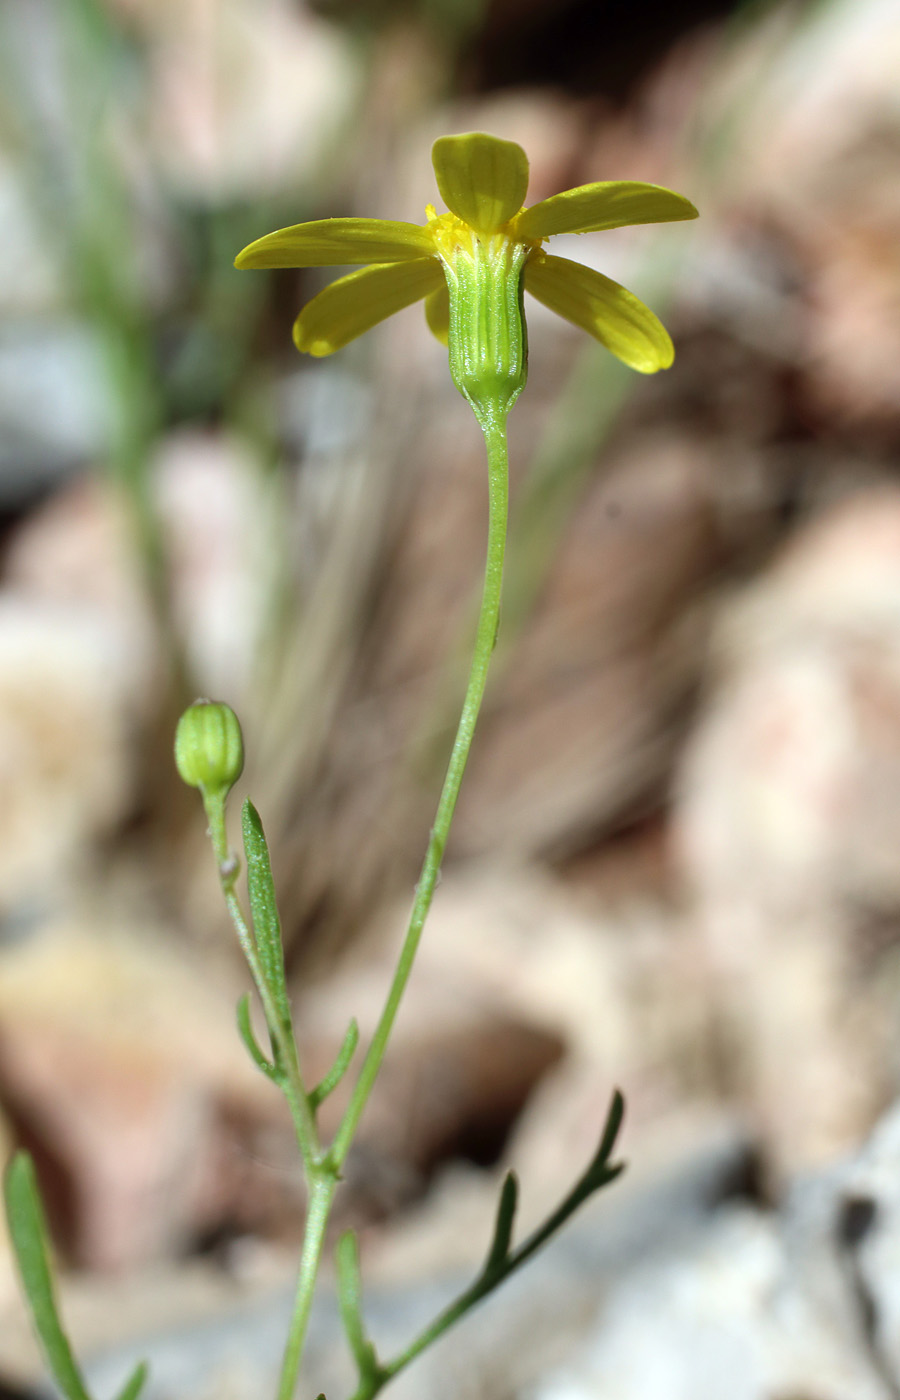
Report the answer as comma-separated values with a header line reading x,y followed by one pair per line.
x,y
323,1167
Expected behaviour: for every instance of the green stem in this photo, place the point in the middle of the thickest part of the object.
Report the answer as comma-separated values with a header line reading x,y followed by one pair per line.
x,y
321,1194
494,429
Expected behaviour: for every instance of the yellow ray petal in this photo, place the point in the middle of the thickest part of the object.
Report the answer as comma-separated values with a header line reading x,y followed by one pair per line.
x,y
604,309
482,179
327,242
355,303
607,204
437,313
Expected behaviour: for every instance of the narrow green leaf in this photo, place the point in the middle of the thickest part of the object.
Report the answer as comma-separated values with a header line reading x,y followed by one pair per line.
x,y
334,1076
350,1303
613,1124
135,1384
28,1232
266,923
245,1031
506,1211
600,1172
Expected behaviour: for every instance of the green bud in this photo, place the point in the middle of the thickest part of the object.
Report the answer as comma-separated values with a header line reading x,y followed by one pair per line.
x,y
209,748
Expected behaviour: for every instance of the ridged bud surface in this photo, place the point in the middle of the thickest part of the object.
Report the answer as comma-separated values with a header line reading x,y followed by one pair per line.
x,y
209,747
487,339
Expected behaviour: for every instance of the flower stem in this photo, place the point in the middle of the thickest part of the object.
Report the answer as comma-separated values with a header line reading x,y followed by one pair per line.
x,y
321,1194
493,426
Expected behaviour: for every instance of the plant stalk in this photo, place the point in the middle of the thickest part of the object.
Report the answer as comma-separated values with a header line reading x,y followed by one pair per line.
x,y
321,1195
494,429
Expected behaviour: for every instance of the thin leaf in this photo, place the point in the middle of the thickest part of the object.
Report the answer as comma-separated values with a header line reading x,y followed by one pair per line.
x,y
600,1167
245,1031
334,1076
506,1211
135,1384
28,1232
266,923
350,1303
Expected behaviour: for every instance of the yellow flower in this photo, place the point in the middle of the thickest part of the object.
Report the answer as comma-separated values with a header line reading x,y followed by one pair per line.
x,y
483,182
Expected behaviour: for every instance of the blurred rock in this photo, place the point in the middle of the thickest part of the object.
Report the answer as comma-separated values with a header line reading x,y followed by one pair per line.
x,y
118,1067
76,551
815,134
788,823
64,758
860,1205
29,278
245,100
222,520
41,364
717,1322
219,519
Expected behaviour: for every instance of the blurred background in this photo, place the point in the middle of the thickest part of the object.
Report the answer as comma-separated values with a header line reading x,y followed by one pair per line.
x,y
676,863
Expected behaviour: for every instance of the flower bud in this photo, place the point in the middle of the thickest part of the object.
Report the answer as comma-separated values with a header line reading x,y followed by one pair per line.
x,y
209,748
